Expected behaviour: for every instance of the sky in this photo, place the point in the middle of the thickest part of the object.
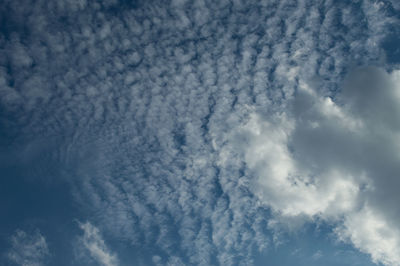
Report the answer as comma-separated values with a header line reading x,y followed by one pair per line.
x,y
200,132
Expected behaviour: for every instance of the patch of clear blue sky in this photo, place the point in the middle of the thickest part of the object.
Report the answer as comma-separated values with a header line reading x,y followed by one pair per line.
x,y
30,200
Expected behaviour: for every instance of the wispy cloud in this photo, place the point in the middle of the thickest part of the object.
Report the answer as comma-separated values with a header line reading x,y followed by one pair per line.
x,y
317,255
28,249
92,242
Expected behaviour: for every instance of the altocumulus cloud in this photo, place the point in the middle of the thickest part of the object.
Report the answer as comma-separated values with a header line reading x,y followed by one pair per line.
x,y
188,129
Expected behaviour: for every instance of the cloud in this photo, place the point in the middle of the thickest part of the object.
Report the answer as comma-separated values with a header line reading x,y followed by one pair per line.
x,y
93,243
28,249
335,160
317,255
159,111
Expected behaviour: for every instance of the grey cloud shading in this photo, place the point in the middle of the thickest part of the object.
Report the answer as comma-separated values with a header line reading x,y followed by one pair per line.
x,y
335,161
144,101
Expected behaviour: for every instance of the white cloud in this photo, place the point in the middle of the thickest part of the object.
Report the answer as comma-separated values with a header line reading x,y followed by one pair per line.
x,y
93,242
146,100
28,249
334,160
289,186
372,233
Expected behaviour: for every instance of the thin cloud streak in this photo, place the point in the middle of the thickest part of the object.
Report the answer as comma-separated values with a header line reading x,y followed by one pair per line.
x,y
94,244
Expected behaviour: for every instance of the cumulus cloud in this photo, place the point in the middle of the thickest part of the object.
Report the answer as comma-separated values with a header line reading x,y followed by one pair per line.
x,y
28,249
335,160
93,243
164,113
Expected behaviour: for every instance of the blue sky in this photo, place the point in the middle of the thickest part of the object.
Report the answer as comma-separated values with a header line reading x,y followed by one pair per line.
x,y
199,132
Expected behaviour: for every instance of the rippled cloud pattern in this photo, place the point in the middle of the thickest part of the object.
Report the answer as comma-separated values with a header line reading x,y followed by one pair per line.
x,y
199,132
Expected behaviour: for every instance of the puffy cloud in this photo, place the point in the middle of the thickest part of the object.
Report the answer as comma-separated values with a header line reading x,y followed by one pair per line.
x,y
28,249
334,159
